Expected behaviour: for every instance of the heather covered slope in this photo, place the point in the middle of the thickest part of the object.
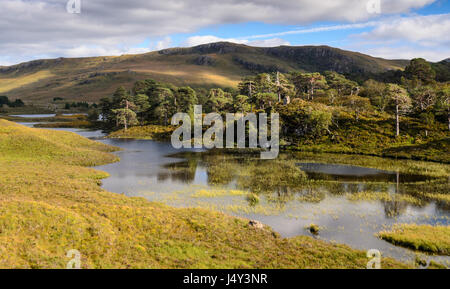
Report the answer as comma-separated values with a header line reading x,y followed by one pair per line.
x,y
211,65
51,203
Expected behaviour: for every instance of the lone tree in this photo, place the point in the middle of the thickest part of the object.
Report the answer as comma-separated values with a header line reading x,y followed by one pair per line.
x,y
401,101
125,114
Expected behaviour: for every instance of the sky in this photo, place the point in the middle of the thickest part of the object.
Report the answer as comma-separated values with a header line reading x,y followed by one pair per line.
x,y
393,29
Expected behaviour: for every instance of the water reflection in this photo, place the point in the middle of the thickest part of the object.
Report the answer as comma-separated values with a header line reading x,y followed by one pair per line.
x,y
284,180
336,172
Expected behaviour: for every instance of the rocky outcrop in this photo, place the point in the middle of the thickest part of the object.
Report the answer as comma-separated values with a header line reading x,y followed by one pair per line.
x,y
256,224
204,60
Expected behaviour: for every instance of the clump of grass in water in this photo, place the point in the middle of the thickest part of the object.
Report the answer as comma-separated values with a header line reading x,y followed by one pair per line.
x,y
211,193
150,132
314,229
383,196
425,238
253,199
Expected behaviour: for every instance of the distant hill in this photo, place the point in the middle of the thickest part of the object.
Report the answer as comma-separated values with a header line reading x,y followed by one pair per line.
x,y
217,64
442,70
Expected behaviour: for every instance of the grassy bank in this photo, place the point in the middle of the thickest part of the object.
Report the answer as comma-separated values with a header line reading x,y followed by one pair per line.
x,y
50,202
375,135
149,132
431,239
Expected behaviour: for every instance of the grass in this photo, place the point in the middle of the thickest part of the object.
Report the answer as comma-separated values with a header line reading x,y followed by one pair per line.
x,y
403,166
58,121
314,229
425,238
152,132
374,135
66,124
50,202
382,196
8,84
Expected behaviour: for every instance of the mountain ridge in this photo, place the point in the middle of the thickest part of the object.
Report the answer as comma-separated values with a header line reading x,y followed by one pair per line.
x,y
220,64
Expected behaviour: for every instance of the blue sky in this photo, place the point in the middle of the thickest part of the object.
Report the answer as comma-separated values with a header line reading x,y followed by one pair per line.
x,y
44,28
345,38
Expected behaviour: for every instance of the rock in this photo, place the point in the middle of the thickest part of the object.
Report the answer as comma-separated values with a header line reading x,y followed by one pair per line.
x,y
204,60
256,224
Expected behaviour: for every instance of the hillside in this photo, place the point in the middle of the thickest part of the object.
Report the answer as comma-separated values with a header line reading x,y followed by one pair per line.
x,y
216,64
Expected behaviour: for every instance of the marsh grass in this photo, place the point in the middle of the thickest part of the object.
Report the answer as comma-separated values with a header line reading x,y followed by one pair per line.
x,y
383,196
425,238
282,180
217,193
149,132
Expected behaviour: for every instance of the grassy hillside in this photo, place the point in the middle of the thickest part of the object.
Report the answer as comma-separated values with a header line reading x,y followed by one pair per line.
x,y
211,65
51,203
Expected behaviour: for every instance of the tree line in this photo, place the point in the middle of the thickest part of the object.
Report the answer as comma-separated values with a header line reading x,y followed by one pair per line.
x,y
4,100
305,101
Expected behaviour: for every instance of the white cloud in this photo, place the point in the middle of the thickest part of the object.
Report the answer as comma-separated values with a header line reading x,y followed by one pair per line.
x,y
164,43
44,28
425,30
407,37
408,52
317,29
272,42
198,40
83,50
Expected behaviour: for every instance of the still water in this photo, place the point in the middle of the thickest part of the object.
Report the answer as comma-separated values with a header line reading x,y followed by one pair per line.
x,y
44,115
292,193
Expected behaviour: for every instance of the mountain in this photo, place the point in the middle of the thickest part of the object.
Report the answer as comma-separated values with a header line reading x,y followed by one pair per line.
x,y
217,64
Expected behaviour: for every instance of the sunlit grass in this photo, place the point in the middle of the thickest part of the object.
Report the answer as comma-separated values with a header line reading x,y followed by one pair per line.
x,y
382,196
7,84
426,238
149,132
